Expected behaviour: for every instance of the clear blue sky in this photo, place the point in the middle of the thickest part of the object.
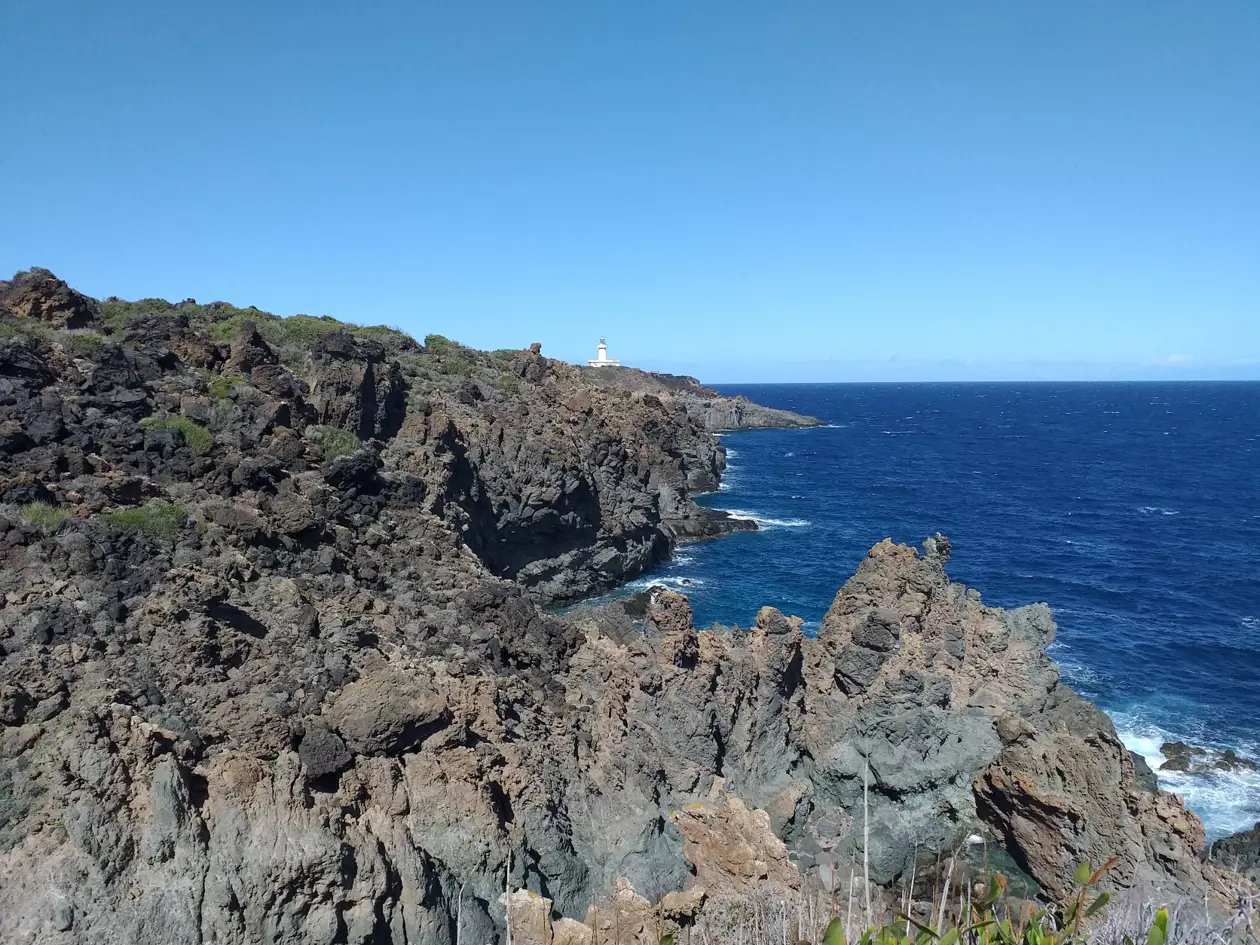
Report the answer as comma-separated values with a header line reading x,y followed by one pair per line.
x,y
769,191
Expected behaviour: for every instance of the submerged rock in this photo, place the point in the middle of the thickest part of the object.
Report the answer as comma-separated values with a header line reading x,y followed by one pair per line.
x,y
1180,756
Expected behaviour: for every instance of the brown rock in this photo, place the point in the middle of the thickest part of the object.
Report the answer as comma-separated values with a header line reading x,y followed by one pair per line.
x,y
38,294
732,848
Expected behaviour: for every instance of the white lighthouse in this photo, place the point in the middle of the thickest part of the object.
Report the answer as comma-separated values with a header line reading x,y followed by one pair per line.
x,y
601,358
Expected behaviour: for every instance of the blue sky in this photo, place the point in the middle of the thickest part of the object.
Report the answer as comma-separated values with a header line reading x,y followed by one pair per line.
x,y
769,191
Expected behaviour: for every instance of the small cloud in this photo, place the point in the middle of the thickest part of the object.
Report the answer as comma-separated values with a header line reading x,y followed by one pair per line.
x,y
1178,358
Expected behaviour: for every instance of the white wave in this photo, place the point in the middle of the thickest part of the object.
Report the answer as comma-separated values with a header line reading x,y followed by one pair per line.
x,y
1156,510
789,454
682,560
1251,623
1226,801
731,454
764,521
678,582
722,487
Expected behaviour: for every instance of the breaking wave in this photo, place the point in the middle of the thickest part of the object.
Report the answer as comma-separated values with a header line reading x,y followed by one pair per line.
x,y
765,521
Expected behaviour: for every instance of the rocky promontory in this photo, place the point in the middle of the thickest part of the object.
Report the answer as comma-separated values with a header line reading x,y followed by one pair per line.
x,y
273,663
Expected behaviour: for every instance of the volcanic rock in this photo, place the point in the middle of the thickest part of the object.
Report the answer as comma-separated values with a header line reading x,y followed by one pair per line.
x,y
39,295
299,688
1239,852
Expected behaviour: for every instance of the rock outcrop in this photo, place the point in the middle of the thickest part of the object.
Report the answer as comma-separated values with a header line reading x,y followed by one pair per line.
x,y
1178,756
273,666
710,409
1239,852
38,295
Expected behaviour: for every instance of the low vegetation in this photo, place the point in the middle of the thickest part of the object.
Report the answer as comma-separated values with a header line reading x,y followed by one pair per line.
x,y
219,386
974,918
333,441
440,364
292,337
159,520
78,343
198,438
44,516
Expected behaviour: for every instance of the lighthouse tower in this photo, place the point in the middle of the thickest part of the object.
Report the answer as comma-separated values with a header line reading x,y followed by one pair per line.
x,y
601,358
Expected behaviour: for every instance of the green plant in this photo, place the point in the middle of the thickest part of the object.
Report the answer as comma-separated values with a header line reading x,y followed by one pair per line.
x,y
198,438
219,386
979,923
23,328
157,519
509,383
44,516
333,441
79,344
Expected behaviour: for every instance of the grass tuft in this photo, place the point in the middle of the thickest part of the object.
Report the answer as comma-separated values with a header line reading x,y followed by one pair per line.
x,y
80,344
47,518
219,386
159,520
333,441
198,438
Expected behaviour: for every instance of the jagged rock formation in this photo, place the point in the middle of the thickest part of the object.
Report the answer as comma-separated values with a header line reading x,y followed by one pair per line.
x,y
262,679
40,296
1239,852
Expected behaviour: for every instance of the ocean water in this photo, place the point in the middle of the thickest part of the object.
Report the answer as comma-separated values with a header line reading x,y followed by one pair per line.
x,y
1132,509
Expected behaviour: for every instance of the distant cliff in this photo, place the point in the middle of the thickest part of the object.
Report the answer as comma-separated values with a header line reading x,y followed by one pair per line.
x,y
713,411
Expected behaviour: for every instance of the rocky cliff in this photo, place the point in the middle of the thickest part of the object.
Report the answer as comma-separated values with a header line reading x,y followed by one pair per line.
x,y
274,668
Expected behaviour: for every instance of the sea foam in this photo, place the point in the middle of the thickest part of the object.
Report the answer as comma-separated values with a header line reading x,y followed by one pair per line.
x,y
764,521
1227,801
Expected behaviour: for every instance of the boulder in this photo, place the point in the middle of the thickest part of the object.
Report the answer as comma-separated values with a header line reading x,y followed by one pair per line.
x,y
387,713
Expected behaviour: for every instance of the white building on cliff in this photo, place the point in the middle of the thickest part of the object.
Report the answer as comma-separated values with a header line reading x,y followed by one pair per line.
x,y
601,358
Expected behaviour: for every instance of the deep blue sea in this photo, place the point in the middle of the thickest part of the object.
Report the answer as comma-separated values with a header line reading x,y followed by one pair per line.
x,y
1132,509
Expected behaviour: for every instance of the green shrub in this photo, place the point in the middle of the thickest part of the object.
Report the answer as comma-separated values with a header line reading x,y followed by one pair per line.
x,y
47,518
79,344
219,386
158,519
119,314
986,921
333,441
509,383
198,438
395,340
439,344
23,328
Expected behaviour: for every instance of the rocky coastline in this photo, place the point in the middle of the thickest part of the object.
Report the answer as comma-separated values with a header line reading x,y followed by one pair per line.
x,y
274,663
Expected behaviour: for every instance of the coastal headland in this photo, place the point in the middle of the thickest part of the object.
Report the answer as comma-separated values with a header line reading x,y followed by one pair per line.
x,y
275,663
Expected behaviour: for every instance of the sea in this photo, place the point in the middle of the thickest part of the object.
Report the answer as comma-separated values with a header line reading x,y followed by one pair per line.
x,y
1132,509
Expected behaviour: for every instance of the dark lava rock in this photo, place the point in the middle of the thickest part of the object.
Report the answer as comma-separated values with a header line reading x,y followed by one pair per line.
x,y
1180,756
322,751
1239,852
1146,777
